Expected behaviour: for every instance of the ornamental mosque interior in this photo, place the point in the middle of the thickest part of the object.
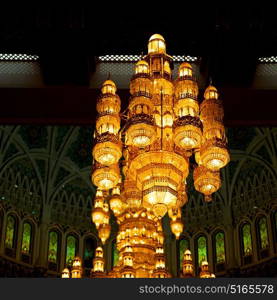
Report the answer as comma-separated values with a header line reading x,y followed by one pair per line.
x,y
58,159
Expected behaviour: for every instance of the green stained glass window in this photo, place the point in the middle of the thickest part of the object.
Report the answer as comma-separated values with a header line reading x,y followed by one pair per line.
x,y
183,246
263,233
115,254
10,232
220,247
71,247
247,239
26,239
202,249
53,247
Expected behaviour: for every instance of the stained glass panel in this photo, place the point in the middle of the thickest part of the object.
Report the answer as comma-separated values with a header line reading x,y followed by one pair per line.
x,y
220,248
115,254
247,240
263,233
10,232
202,249
71,247
53,247
26,239
183,246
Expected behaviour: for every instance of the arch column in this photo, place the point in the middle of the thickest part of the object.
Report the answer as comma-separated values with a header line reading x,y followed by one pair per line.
x,y
254,243
108,255
19,240
3,233
270,235
192,249
231,248
62,252
210,249
174,259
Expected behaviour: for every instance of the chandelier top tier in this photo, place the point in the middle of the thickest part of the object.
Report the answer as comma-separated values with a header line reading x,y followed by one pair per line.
x,y
142,156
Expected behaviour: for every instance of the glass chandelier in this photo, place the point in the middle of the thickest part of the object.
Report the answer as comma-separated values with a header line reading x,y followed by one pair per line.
x,y
142,158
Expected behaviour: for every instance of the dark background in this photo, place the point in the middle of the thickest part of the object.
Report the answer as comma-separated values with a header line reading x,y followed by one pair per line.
x,y
68,37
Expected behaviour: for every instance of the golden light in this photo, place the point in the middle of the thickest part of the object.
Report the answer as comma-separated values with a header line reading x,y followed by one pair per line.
x,y
214,154
162,127
187,266
108,87
116,204
141,135
104,177
205,273
107,151
104,232
206,181
177,227
142,67
156,44
187,132
133,196
65,273
76,271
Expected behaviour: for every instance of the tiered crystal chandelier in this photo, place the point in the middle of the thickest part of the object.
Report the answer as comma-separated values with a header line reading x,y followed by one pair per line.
x,y
164,130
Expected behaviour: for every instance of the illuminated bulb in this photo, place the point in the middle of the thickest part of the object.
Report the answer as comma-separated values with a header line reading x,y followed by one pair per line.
x,y
167,120
116,204
108,87
98,216
141,141
185,69
104,232
65,273
76,268
177,227
156,44
142,67
159,210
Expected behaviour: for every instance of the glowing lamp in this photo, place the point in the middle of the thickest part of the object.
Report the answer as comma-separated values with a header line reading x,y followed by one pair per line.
x,y
177,227
214,154
185,69
104,232
187,132
76,271
140,135
156,44
65,273
142,67
107,151
206,181
97,216
106,178
116,204
108,87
